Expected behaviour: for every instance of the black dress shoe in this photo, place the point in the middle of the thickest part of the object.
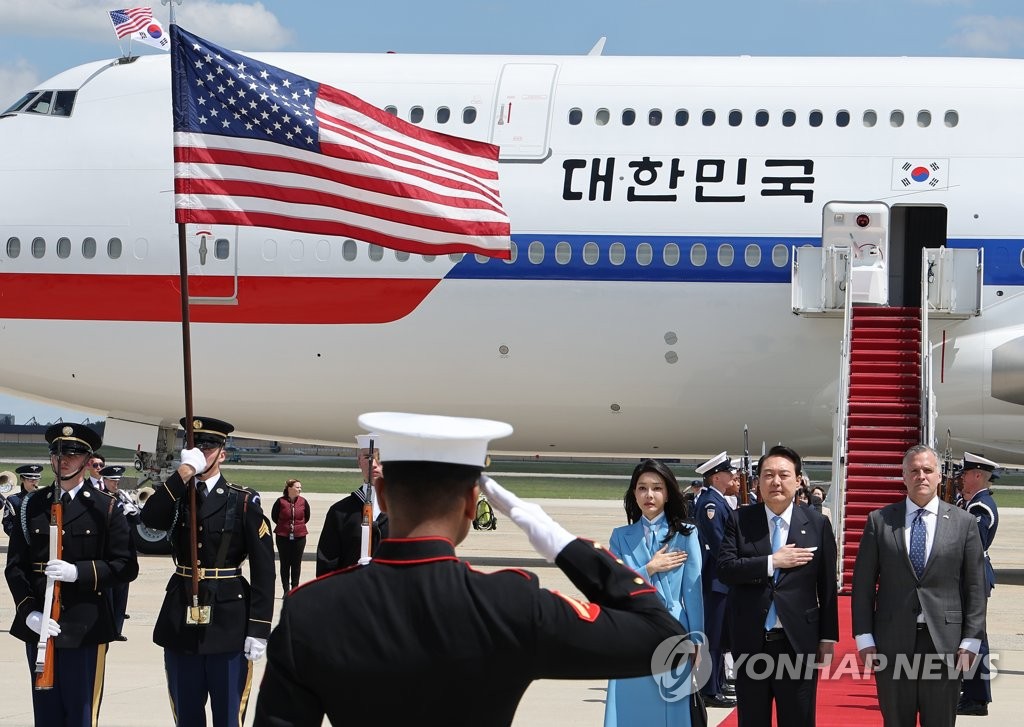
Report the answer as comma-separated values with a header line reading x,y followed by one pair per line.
x,y
972,709
120,637
729,690
720,700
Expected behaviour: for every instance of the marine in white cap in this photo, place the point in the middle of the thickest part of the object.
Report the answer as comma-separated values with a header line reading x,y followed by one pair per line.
x,y
977,475
427,625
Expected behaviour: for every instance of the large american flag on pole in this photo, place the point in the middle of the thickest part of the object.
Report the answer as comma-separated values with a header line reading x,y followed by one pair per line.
x,y
129,20
258,145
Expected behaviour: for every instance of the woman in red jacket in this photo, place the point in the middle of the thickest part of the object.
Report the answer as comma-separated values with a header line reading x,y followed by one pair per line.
x,y
290,515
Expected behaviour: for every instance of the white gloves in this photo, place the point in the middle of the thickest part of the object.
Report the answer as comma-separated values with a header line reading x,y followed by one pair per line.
x,y
61,570
255,648
546,536
195,459
35,622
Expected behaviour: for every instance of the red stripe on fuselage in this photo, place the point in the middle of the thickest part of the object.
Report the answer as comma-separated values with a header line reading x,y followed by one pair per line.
x,y
273,300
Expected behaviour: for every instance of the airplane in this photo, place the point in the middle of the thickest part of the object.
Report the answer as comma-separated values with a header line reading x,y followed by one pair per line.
x,y
678,224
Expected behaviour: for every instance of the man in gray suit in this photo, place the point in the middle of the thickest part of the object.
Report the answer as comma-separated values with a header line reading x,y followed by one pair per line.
x,y
925,558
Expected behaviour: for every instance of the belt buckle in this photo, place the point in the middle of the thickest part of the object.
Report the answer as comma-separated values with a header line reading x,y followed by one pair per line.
x,y
202,573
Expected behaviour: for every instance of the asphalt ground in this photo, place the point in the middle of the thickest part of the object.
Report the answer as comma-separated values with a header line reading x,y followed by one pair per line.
x,y
135,693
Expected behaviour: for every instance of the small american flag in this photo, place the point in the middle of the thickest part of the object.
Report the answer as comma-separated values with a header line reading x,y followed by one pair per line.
x,y
257,145
129,20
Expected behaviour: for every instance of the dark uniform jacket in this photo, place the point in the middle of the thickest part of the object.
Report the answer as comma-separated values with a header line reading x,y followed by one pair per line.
x,y
341,537
456,646
713,512
231,528
983,507
96,539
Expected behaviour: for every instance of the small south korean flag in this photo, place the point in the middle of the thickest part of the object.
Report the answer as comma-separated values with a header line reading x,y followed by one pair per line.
x,y
153,35
920,174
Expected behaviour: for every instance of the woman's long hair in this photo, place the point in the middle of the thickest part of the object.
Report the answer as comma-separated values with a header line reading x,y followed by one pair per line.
x,y
288,484
675,508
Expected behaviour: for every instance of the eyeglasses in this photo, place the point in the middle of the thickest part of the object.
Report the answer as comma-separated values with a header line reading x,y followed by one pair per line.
x,y
96,464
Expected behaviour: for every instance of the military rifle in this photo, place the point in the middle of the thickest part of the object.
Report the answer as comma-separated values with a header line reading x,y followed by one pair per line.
x,y
948,489
745,469
45,652
366,526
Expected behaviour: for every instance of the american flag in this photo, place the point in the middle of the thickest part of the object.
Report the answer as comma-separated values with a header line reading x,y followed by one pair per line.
x,y
129,20
258,145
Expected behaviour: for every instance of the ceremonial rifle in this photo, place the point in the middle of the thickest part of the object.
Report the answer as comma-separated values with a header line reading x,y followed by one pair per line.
x,y
366,526
948,489
745,469
45,669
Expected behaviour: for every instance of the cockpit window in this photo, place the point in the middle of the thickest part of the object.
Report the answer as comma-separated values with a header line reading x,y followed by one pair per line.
x,y
63,102
21,102
49,103
41,104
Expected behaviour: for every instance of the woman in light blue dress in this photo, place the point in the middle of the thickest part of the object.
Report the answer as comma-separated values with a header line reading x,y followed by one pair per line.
x,y
660,544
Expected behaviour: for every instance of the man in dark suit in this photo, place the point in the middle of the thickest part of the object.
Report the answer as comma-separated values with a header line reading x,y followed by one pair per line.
x,y
925,559
779,560
418,619
96,556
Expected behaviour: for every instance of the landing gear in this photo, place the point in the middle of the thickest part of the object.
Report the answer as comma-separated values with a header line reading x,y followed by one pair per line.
x,y
155,468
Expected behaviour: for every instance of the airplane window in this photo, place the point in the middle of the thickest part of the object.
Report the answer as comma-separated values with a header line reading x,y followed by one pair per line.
x,y
628,117
602,117
428,258
321,251
514,253
815,118
670,255
563,252
752,255
698,254
349,250
469,115
64,102
536,252
13,247
924,119
682,117
708,117
443,115
38,247
114,248
735,117
89,248
842,119
761,118
64,248
41,104
375,253
481,258
296,251
269,250
1022,258
21,102
221,248
644,254
401,256
780,255
591,253
951,119
654,117
393,110
726,255
575,117
870,118
896,119
617,253
788,118
416,114
456,257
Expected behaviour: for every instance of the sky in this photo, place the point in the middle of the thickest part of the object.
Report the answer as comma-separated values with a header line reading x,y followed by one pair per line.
x,y
40,38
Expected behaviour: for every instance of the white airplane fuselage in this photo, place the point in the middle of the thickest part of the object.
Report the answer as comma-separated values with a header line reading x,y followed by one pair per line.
x,y
647,309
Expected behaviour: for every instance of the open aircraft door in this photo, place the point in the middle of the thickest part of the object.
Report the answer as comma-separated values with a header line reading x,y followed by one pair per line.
x,y
522,119
212,264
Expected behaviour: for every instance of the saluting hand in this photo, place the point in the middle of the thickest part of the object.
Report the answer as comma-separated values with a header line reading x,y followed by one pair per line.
x,y
664,560
790,556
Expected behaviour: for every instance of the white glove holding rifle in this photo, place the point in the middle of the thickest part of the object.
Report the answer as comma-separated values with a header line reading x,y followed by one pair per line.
x,y
35,622
195,459
546,536
255,648
61,570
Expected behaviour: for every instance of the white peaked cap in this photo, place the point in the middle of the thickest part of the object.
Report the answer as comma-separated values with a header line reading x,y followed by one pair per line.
x,y
719,463
431,438
363,441
977,462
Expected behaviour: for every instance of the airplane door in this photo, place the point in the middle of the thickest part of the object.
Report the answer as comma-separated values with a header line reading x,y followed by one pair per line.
x,y
524,108
864,228
212,264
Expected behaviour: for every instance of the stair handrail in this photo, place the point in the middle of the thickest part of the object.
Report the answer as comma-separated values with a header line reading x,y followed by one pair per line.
x,y
840,426
928,410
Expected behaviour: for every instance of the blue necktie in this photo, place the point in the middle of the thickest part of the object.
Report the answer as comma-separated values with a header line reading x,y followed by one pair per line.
x,y
918,541
769,623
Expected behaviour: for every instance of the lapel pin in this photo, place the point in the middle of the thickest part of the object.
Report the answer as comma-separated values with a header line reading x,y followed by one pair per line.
x,y
220,491
803,532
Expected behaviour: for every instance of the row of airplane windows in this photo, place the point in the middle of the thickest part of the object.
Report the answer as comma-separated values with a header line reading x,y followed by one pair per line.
x,y
815,117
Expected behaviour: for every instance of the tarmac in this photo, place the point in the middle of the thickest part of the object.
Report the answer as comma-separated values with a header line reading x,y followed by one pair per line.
x,y
135,692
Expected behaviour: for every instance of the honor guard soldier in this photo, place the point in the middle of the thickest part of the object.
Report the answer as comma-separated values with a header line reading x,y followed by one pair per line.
x,y
713,510
28,480
211,638
111,478
977,474
341,537
418,619
67,646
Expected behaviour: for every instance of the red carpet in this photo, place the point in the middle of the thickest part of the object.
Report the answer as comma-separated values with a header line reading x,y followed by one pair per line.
x,y
844,698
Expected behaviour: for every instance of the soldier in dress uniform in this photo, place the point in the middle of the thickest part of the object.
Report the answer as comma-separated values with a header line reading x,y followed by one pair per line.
x,y
424,623
341,537
96,555
118,595
208,651
28,480
977,475
713,511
